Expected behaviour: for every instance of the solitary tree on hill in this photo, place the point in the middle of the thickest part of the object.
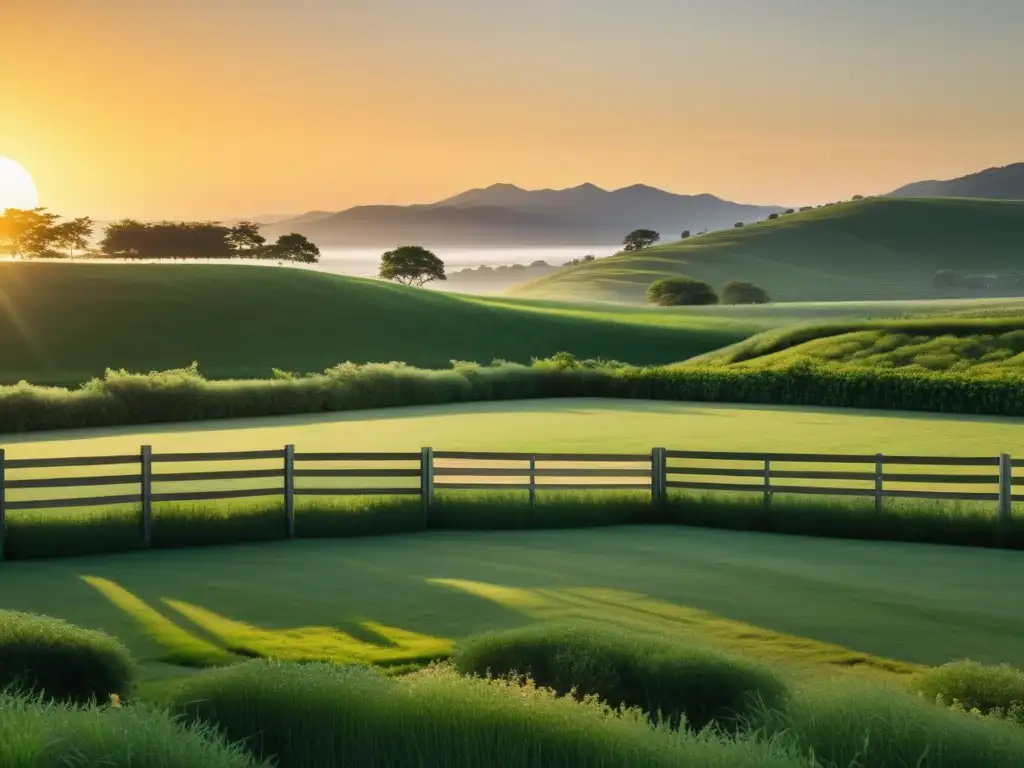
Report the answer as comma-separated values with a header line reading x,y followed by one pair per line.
x,y
738,224
296,247
639,239
411,265
680,291
739,292
686,234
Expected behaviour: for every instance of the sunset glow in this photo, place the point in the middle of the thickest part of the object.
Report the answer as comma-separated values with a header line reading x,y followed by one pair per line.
x,y
17,190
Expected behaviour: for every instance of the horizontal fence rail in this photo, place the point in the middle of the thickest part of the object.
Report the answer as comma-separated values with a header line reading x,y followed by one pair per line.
x,y
149,478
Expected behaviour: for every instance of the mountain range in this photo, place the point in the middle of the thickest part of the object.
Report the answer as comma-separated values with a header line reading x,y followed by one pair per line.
x,y
1001,183
504,214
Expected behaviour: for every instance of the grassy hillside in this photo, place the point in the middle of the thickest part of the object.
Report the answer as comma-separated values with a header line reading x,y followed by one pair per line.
x,y
64,323
868,249
985,344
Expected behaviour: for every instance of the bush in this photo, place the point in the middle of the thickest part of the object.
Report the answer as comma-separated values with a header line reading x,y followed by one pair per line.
x,y
39,735
773,216
871,725
671,683
988,689
312,716
738,292
61,661
738,224
680,291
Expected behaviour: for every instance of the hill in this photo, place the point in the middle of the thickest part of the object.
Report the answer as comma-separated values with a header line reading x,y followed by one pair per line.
x,y
1003,183
504,214
977,345
65,323
881,248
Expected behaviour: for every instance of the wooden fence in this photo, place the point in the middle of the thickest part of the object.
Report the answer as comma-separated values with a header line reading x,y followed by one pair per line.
x,y
286,474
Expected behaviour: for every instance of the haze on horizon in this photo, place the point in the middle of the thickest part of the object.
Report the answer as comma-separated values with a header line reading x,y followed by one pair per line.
x,y
216,108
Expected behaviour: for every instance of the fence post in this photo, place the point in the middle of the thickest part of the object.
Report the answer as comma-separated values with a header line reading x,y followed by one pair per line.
x,y
3,501
289,489
427,482
1005,497
146,461
767,482
533,481
658,476
879,495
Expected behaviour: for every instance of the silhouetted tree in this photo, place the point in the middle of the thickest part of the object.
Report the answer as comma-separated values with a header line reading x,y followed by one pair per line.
x,y
589,257
27,232
790,210
246,239
680,291
639,239
297,248
411,265
130,239
686,234
738,224
739,292
74,234
773,216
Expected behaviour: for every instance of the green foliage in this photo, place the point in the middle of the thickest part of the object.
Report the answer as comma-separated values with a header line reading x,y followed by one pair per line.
x,y
739,292
975,686
639,239
310,716
295,247
673,684
848,725
129,239
39,735
245,238
411,265
35,232
58,660
680,291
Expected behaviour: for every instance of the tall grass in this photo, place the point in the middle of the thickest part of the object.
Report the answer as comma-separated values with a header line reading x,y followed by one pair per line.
x,y
976,687
510,510
671,683
310,716
52,658
122,398
861,725
34,734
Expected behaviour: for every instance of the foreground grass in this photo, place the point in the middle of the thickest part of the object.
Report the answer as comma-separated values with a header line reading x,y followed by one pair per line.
x,y
816,607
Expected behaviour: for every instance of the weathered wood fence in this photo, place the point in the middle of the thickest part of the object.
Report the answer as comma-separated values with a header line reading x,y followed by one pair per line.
x,y
286,474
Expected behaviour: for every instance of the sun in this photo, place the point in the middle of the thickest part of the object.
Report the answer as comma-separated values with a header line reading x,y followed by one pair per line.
x,y
17,190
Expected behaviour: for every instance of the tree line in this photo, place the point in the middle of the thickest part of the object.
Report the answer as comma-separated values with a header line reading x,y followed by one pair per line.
x,y
39,233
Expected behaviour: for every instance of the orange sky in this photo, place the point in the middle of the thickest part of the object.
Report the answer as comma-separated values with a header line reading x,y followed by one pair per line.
x,y
232,107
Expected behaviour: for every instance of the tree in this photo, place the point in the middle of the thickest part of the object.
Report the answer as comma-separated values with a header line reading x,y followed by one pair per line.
x,y
739,292
680,291
588,258
297,248
944,278
738,224
74,234
27,232
245,238
773,216
411,265
639,239
790,210
686,234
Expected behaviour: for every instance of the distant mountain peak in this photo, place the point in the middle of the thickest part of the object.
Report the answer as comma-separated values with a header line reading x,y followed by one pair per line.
x,y
1005,182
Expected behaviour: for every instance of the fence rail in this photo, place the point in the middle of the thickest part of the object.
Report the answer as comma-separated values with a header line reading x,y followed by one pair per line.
x,y
427,472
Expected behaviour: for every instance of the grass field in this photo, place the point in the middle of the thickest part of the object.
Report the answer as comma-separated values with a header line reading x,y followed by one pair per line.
x,y
578,425
834,607
879,248
65,323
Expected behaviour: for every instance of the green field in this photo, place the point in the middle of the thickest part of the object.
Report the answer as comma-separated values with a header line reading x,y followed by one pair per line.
x,y
65,323
881,248
394,599
577,425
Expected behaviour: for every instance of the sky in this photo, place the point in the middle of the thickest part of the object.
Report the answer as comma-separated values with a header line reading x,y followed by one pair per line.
x,y
219,108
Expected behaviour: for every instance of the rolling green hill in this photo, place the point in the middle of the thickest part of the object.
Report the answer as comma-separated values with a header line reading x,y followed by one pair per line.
x,y
880,248
977,345
65,323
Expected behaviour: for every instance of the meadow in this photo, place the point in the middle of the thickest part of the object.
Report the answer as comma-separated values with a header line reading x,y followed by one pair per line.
x,y
874,249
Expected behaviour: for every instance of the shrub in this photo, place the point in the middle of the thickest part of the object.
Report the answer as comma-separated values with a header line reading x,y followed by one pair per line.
x,y
670,682
61,661
987,689
680,291
311,716
739,292
773,216
39,735
871,725
738,224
